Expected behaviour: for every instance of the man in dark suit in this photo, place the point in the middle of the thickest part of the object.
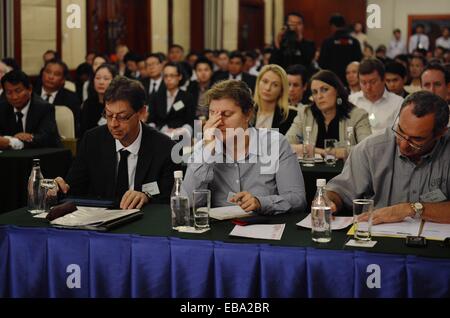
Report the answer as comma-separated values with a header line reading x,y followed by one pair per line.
x,y
53,91
124,159
154,83
197,89
26,121
235,71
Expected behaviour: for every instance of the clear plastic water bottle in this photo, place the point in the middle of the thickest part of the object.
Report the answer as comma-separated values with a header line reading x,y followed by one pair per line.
x,y
179,204
34,197
321,215
349,143
308,149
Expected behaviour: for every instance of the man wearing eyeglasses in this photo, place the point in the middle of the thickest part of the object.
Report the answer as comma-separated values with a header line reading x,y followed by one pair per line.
x,y
406,169
119,160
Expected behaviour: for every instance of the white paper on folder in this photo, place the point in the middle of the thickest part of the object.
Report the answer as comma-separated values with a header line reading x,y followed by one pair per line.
x,y
228,212
91,216
259,231
339,222
407,227
437,231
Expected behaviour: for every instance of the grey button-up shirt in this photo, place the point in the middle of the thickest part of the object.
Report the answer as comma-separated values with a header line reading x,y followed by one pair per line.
x,y
270,172
377,170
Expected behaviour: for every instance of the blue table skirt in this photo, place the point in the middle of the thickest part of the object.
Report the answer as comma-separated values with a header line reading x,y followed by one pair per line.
x,y
38,262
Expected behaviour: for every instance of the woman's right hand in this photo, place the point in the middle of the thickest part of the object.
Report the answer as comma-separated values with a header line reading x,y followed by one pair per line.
x,y
215,119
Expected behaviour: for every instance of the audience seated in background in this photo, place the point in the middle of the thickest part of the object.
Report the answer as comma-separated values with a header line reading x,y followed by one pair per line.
x,y
235,71
272,100
298,83
396,76
416,66
172,110
26,121
351,75
197,89
396,46
53,91
154,83
381,105
402,168
124,160
329,116
436,79
88,86
94,106
254,168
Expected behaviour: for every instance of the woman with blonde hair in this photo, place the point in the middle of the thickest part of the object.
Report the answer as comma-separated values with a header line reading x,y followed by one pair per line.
x,y
272,99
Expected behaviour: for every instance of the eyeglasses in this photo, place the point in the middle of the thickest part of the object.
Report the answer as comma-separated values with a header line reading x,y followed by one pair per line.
x,y
412,144
118,117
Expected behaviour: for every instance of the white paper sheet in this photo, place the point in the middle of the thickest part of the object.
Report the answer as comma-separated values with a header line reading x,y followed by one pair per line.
x,y
259,231
409,226
436,231
228,212
339,222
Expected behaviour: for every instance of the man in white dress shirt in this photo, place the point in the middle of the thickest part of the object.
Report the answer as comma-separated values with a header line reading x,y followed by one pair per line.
x,y
374,98
419,40
396,46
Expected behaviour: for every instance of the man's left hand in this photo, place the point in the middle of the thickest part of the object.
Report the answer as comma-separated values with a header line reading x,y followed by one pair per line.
x,y
133,200
390,214
246,201
25,137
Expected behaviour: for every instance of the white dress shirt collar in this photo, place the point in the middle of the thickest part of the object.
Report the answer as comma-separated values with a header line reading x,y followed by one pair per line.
x,y
44,94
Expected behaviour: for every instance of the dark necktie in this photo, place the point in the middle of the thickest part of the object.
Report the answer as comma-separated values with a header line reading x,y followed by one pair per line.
x,y
153,88
122,185
19,125
47,97
418,42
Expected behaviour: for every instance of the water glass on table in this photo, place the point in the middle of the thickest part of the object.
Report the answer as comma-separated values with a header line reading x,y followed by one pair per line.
x,y
363,229
201,206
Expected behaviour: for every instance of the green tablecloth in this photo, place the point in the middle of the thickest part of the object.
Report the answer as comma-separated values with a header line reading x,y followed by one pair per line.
x,y
15,168
156,222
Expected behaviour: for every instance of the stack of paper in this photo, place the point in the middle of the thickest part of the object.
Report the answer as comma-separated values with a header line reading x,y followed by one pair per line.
x,y
436,231
91,216
228,212
259,231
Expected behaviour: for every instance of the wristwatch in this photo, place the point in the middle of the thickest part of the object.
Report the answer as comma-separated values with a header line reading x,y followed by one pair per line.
x,y
418,209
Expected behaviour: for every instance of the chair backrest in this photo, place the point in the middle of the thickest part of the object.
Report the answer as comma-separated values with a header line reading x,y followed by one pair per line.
x,y
65,122
70,86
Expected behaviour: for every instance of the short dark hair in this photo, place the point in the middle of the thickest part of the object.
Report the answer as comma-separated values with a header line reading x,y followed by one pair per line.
x,y
156,56
237,54
55,53
295,14
122,88
396,68
16,77
396,30
369,65
332,79
11,62
203,60
298,70
60,63
437,67
337,20
428,103
237,91
173,46
131,56
421,58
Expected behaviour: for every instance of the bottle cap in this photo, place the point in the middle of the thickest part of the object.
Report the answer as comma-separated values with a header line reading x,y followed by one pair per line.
x,y
36,160
321,182
308,128
178,174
